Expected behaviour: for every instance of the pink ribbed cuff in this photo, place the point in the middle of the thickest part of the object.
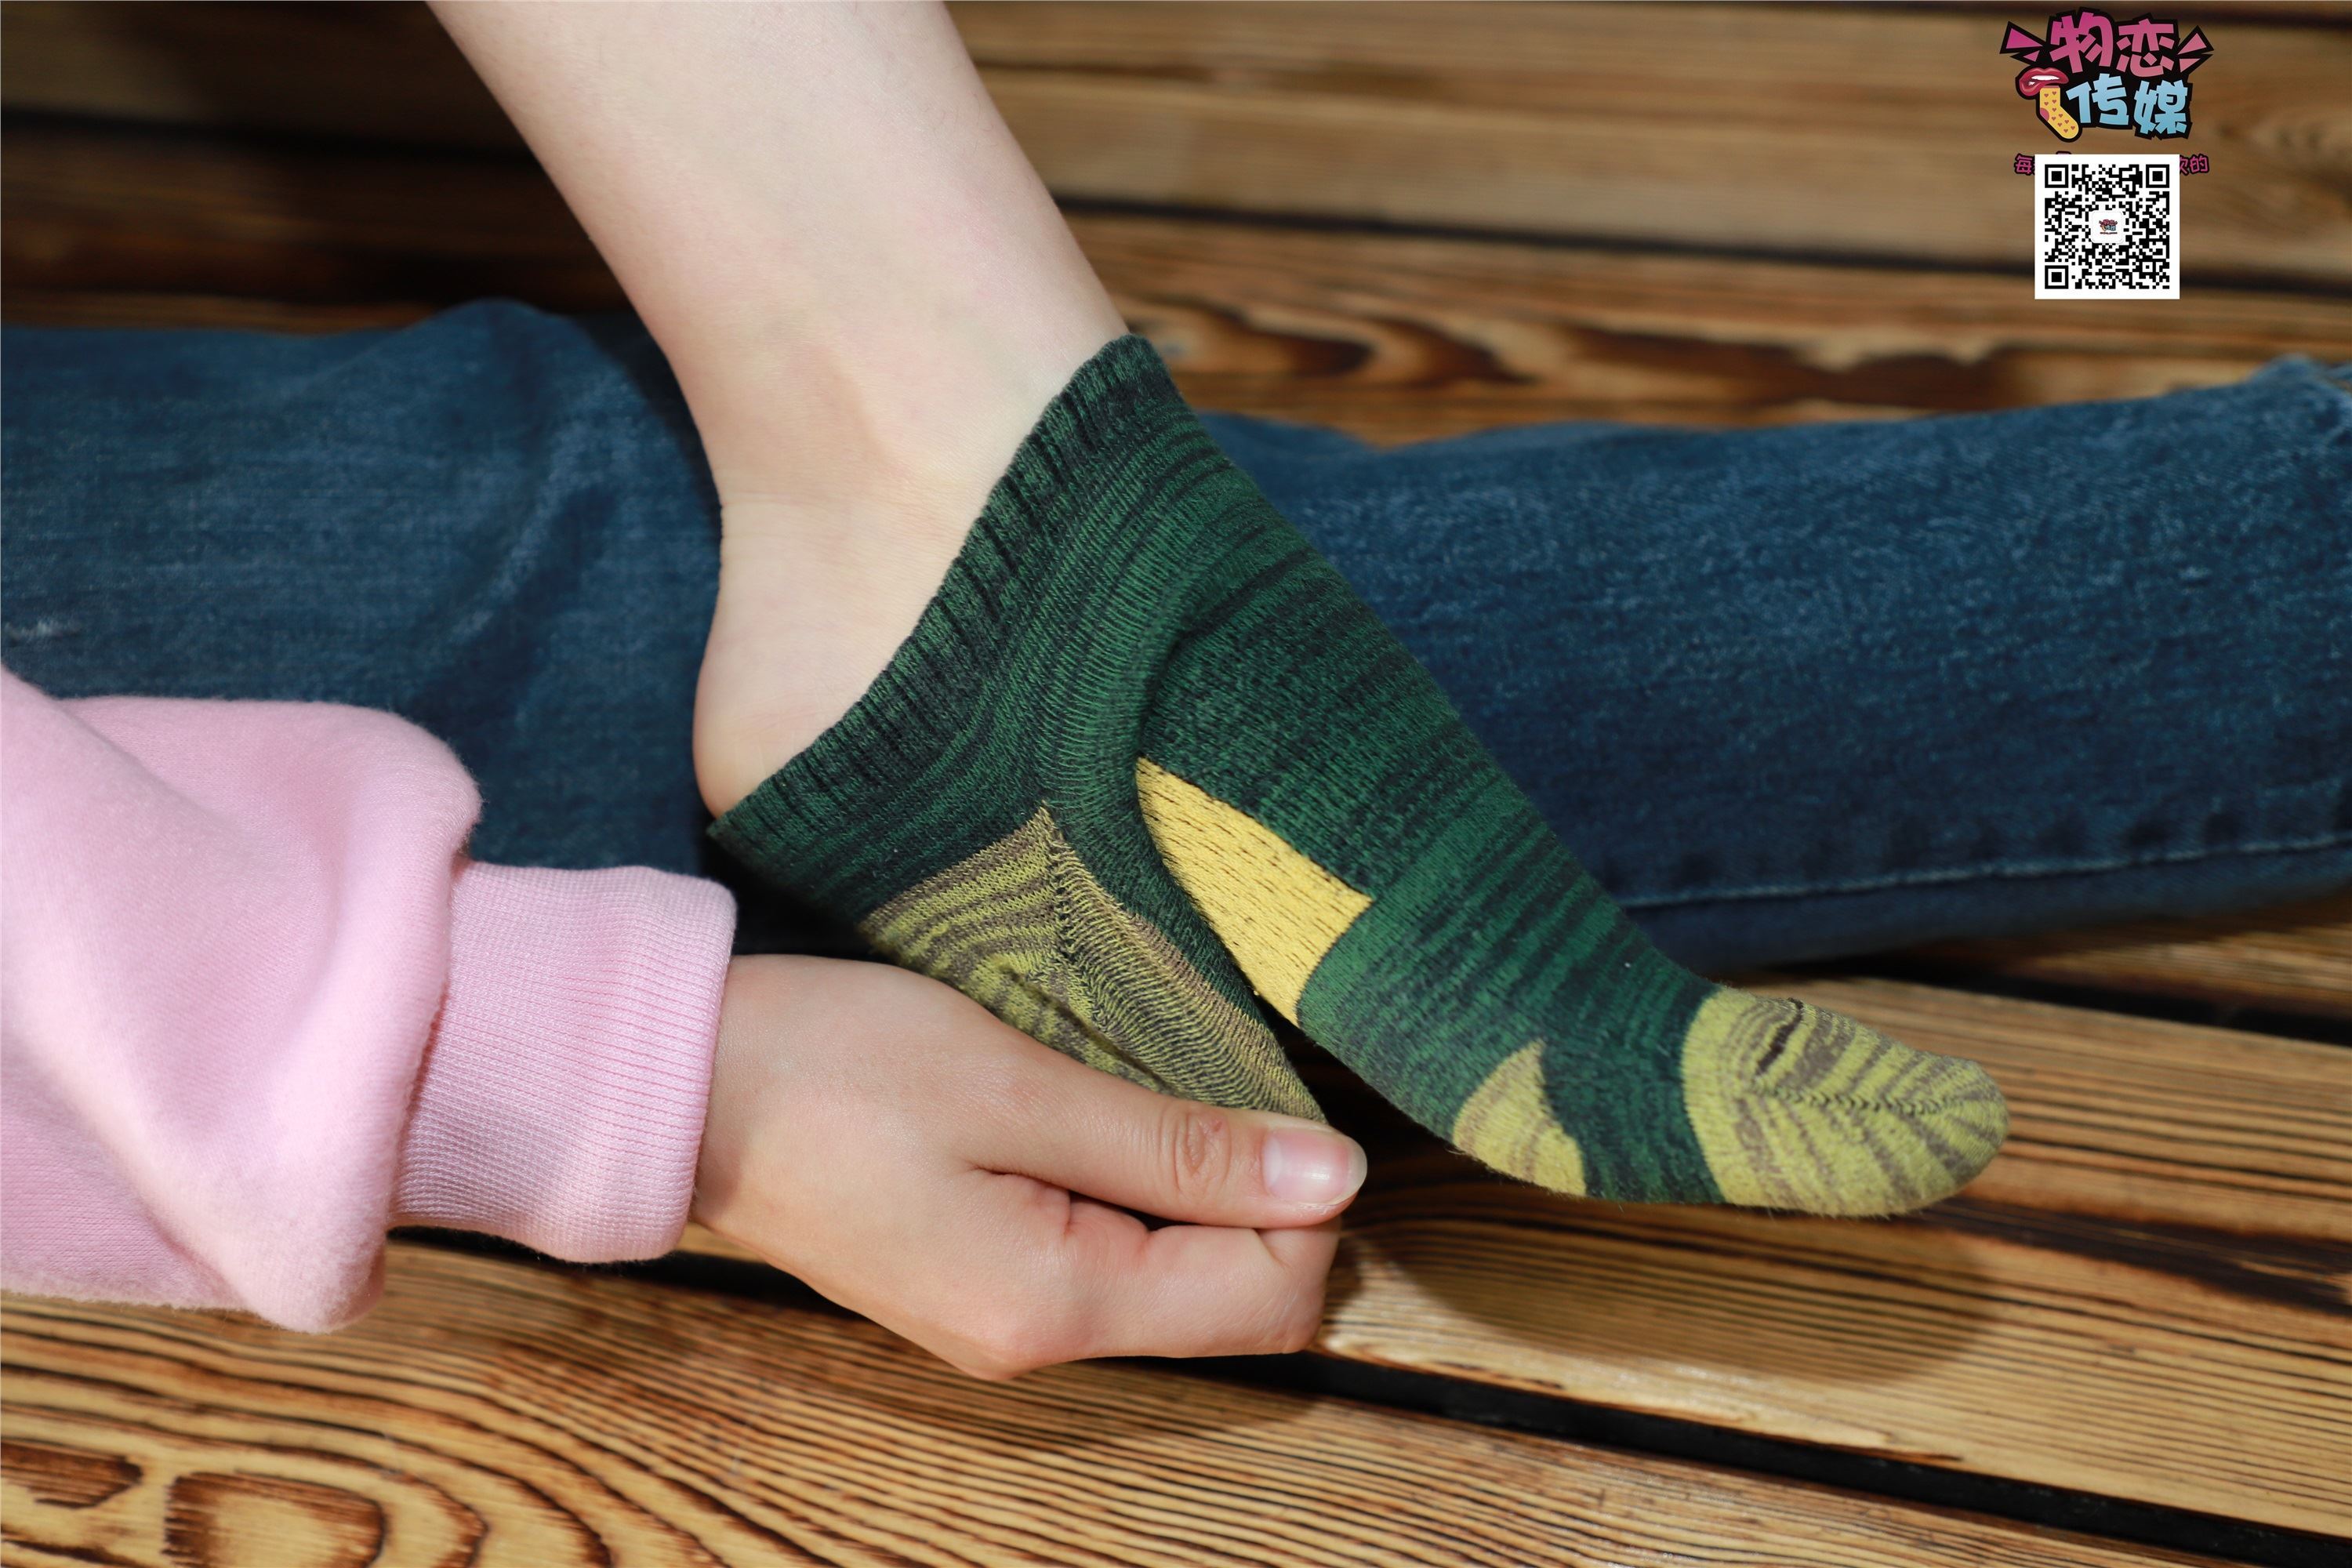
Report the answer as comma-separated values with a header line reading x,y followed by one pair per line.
x,y
561,1099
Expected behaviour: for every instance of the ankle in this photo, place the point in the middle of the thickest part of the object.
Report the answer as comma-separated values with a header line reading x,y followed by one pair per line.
x,y
845,494
831,548
823,439
812,605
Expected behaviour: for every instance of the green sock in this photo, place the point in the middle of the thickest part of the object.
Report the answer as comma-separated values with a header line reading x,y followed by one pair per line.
x,y
1147,760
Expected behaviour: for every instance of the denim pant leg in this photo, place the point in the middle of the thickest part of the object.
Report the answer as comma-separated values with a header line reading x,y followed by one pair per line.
x,y
1790,693
496,523
1798,693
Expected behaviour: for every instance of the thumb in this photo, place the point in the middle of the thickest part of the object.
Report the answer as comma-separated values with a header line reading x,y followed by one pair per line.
x,y
1077,1127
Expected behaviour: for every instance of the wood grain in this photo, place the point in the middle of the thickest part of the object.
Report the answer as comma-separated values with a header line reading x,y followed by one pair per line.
x,y
1392,338
1860,130
373,72
1400,339
2148,1294
495,1413
2296,959
1868,132
2236,1137
101,211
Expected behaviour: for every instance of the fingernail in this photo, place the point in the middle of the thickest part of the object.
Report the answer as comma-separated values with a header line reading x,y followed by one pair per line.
x,y
1311,1165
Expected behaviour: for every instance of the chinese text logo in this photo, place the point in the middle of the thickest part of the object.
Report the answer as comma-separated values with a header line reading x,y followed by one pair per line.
x,y
2095,71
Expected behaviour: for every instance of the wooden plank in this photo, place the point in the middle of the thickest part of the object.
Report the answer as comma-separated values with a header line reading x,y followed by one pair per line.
x,y
1721,126
2296,959
373,72
2144,1295
2307,12
496,1413
2148,1294
1393,338
1400,339
1865,131
2237,1137
134,308
386,72
93,211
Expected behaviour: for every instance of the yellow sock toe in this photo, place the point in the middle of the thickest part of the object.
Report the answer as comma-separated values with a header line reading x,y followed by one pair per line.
x,y
1799,1109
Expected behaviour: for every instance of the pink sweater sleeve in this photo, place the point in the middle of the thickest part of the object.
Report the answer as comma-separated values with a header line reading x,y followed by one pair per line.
x,y
255,1006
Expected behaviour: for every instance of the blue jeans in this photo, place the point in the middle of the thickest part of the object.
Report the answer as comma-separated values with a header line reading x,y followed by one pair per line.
x,y
1789,693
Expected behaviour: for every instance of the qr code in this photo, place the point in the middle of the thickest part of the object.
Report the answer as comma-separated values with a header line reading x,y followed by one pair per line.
x,y
2106,226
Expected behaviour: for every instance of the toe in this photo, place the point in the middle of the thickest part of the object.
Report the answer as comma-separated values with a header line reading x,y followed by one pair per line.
x,y
1799,1108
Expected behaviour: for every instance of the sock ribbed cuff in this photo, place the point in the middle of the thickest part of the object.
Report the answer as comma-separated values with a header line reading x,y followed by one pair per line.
x,y
919,709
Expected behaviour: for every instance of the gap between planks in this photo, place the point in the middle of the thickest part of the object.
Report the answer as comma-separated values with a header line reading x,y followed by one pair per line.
x,y
1390,338
2279,961
1321,326
2148,1296
1878,131
1853,130
2144,1295
498,1412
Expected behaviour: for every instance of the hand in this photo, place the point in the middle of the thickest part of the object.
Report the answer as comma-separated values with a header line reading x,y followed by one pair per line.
x,y
884,1138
